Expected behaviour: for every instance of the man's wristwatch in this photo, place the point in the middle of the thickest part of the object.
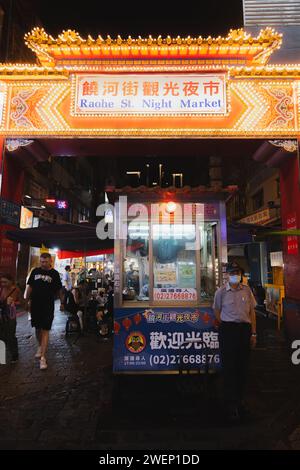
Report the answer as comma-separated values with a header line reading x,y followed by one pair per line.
x,y
253,334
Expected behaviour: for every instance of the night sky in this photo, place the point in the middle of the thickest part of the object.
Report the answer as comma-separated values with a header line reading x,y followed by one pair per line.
x,y
134,18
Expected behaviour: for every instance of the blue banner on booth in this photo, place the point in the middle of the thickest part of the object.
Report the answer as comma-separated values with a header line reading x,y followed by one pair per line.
x,y
165,339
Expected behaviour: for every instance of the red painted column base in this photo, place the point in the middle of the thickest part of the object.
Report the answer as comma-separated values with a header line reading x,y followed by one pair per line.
x,y
290,214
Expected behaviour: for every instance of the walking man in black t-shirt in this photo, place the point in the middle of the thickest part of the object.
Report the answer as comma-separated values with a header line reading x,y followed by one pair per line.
x,y
43,286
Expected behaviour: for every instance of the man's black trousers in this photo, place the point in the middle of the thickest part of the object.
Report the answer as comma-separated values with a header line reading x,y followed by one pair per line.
x,y
235,353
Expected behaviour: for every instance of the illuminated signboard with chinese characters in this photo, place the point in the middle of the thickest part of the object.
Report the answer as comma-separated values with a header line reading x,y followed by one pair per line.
x,y
292,241
149,94
165,339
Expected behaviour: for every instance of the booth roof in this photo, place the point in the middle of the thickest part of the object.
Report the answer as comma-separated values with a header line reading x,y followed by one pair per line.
x,y
75,237
186,193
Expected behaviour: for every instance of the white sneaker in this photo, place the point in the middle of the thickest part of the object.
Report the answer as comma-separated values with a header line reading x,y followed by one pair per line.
x,y
38,354
43,363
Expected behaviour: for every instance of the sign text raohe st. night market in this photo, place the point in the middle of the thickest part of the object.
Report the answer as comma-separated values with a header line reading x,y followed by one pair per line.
x,y
150,94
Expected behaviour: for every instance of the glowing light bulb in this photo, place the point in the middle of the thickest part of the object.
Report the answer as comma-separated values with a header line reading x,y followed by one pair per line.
x,y
171,207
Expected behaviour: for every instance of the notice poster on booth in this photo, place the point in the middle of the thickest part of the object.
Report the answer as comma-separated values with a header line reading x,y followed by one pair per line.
x,y
186,274
165,274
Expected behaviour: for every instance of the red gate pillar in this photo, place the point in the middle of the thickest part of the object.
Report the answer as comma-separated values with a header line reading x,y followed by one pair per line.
x,y
290,214
12,182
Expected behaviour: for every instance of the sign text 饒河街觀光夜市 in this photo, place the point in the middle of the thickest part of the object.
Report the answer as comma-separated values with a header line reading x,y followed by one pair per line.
x,y
150,94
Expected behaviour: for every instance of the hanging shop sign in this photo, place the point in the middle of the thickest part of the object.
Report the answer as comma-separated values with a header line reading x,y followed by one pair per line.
x,y
258,218
153,94
292,241
276,259
10,213
26,219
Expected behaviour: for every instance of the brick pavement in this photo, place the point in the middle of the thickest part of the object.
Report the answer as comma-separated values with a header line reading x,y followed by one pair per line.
x,y
77,403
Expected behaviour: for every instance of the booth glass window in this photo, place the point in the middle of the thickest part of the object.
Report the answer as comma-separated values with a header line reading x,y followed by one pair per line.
x,y
136,264
174,263
209,262
178,264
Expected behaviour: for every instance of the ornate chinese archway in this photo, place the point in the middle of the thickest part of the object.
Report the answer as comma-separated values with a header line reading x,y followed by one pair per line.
x,y
191,87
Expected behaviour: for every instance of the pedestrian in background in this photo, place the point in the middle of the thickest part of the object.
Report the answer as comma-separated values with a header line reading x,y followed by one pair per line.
x,y
67,283
10,297
234,306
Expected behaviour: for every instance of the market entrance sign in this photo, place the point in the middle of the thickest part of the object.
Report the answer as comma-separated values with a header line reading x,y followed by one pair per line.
x,y
153,94
151,88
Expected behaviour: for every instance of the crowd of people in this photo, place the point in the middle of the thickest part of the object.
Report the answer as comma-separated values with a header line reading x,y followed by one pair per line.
x,y
44,285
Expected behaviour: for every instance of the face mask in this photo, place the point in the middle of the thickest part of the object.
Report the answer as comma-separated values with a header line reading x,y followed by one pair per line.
x,y
235,278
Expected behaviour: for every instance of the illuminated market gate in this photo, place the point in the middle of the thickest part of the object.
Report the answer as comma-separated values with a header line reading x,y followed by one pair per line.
x,y
190,88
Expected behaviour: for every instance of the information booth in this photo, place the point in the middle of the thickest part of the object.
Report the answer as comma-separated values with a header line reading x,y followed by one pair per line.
x,y
170,249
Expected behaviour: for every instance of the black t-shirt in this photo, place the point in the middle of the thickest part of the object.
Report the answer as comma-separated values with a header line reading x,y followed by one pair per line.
x,y
45,284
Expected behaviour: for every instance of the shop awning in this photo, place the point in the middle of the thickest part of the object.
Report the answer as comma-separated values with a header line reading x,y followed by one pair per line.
x,y
79,238
239,234
66,254
242,233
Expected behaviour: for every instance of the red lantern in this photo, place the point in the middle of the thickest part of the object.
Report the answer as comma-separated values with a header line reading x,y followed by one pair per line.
x,y
126,323
117,327
137,318
206,317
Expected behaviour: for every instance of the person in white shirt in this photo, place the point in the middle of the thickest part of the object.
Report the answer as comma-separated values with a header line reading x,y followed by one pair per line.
x,y
67,283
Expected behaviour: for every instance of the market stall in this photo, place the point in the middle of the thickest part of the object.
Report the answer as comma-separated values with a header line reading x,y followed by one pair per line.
x,y
69,244
164,288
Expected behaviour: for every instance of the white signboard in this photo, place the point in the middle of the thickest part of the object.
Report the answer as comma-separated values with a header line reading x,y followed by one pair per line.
x,y
149,94
276,258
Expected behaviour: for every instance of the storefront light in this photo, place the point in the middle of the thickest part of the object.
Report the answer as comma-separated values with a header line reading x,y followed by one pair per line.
x,y
137,230
171,207
176,231
136,235
109,217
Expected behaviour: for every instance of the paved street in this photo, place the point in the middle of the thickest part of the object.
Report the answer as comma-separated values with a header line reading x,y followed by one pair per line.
x,y
77,404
